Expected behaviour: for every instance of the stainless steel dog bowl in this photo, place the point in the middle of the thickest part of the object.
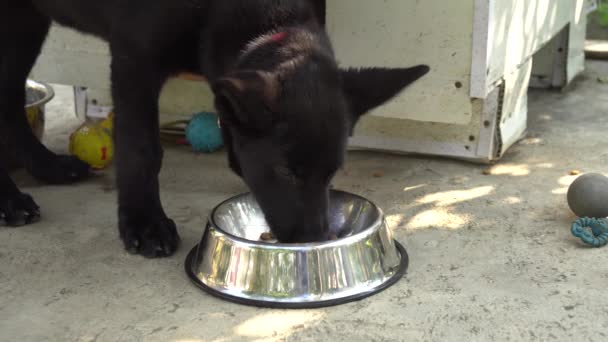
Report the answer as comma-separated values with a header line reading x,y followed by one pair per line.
x,y
37,95
231,262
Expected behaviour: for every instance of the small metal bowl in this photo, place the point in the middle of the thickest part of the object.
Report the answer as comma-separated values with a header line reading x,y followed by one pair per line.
x,y
37,95
231,262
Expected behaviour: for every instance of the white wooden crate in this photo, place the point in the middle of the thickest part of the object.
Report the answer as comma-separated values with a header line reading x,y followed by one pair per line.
x,y
472,105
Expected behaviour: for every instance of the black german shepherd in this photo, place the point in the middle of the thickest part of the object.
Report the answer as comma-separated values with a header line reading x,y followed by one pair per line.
x,y
286,108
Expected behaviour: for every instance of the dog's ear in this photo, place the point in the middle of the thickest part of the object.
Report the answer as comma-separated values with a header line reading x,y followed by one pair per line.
x,y
368,88
247,99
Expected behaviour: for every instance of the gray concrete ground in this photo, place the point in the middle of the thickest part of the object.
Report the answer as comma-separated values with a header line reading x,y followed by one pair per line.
x,y
492,258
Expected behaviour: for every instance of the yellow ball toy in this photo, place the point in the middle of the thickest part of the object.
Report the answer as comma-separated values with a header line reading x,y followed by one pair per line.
x,y
92,143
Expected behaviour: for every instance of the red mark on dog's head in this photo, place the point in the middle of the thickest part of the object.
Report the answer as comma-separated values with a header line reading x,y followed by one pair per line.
x,y
277,37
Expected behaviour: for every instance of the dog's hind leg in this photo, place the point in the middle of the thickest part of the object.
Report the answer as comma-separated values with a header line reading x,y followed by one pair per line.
x,y
23,30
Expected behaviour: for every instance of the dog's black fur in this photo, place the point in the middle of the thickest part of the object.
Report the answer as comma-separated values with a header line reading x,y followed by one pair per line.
x,y
285,106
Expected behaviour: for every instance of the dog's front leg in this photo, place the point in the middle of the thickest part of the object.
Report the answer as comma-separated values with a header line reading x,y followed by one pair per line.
x,y
136,84
16,208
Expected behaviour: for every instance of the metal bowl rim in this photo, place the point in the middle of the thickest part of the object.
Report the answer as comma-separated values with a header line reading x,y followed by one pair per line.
x,y
49,93
374,227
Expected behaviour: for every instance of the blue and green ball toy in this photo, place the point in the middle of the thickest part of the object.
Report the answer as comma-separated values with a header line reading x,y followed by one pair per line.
x,y
203,133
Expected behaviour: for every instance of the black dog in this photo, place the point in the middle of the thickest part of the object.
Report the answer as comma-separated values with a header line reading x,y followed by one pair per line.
x,y
285,107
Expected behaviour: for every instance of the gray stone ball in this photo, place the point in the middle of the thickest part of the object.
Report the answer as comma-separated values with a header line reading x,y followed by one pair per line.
x,y
588,196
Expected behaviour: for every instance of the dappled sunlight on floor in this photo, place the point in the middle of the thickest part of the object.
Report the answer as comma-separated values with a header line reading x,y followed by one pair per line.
x,y
448,198
264,325
515,170
277,323
436,210
512,200
510,191
438,218
416,187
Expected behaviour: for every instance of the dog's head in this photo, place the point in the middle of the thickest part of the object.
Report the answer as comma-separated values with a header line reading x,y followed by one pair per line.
x,y
286,134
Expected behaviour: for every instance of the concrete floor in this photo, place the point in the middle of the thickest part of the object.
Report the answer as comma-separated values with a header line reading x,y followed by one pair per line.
x,y
492,258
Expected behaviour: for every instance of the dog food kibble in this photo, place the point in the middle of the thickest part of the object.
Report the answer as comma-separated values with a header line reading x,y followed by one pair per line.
x,y
378,174
487,172
266,236
575,173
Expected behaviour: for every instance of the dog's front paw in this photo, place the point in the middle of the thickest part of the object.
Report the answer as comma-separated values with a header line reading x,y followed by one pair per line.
x,y
59,169
152,238
18,209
